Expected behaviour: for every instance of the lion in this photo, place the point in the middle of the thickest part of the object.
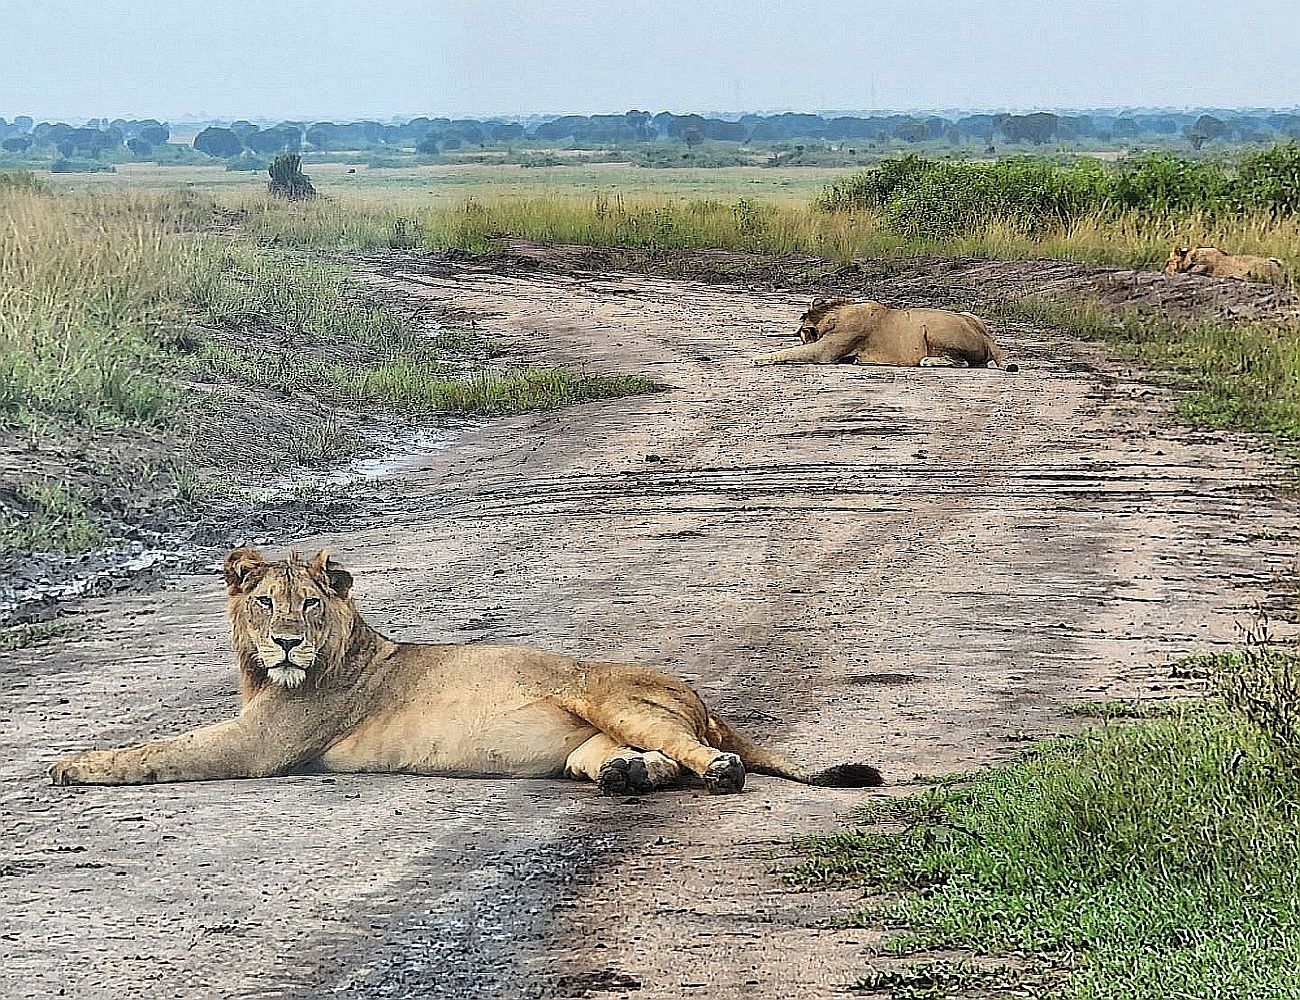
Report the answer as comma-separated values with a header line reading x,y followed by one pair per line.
x,y
872,333
321,690
1214,263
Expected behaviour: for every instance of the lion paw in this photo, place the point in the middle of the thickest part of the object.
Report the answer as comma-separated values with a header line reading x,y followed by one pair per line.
x,y
624,776
726,774
71,771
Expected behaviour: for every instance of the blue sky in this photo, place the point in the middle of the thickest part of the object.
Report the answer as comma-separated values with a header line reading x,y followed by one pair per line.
x,y
345,58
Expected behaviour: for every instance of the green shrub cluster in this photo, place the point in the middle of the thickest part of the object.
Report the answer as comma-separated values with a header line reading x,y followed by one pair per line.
x,y
940,199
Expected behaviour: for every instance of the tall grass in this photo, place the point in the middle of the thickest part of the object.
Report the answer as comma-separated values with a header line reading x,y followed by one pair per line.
x,y
89,291
1103,237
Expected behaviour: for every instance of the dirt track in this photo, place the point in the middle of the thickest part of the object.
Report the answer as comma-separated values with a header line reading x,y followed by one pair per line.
x,y
917,568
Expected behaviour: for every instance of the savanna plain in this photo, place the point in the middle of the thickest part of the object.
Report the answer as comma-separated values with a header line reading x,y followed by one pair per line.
x,y
1055,607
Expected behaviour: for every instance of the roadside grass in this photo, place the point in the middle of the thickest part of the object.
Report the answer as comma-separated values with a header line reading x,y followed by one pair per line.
x,y
49,517
1142,859
1240,376
87,293
421,384
110,301
609,219
14,637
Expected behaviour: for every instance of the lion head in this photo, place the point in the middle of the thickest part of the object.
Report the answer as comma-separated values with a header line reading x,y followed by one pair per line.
x,y
819,320
1177,261
289,619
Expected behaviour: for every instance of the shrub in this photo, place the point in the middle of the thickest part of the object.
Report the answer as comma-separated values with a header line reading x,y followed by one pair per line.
x,y
937,199
288,180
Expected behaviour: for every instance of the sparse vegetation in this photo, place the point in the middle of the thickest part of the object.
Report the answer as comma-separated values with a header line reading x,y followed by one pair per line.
x,y
1238,375
49,517
24,636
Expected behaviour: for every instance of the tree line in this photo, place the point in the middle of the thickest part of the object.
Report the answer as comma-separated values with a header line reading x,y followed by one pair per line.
x,y
140,138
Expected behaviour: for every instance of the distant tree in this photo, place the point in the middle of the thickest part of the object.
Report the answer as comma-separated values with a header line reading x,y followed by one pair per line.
x,y
1205,129
428,146
139,148
691,135
288,180
1037,128
154,133
911,131
639,123
18,144
277,139
219,142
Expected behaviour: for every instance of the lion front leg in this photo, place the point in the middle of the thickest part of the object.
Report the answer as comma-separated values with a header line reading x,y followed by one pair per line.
x,y
818,353
225,750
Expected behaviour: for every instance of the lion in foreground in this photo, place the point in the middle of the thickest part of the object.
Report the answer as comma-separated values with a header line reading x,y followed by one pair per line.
x,y
1214,263
872,333
323,691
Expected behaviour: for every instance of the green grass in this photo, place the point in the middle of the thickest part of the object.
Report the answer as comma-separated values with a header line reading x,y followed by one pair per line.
x,y
15,637
1140,860
50,517
421,384
1239,376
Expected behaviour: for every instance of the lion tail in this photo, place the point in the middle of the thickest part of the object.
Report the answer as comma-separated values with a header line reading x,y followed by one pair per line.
x,y
761,761
1000,359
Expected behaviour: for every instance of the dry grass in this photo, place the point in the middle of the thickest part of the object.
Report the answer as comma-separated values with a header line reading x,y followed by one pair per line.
x,y
666,223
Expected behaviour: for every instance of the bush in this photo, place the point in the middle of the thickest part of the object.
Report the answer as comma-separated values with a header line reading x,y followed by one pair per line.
x,y
937,199
65,165
288,180
1270,180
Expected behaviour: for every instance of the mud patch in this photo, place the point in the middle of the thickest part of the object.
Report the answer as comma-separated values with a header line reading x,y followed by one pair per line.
x,y
588,984
882,679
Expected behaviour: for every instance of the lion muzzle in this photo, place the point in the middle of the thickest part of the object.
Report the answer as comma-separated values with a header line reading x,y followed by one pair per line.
x,y
287,659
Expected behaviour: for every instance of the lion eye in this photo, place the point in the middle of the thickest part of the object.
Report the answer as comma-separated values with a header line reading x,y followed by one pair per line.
x,y
310,602
264,601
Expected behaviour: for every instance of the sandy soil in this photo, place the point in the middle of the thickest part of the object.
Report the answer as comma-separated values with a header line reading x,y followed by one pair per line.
x,y
916,568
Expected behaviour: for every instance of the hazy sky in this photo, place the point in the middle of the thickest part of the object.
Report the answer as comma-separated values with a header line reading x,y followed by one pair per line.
x,y
318,59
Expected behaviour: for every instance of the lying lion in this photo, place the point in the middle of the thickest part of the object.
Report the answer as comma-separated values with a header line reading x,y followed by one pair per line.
x,y
323,691
872,333
1214,263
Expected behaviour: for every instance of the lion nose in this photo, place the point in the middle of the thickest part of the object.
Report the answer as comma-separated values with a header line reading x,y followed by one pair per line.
x,y
286,644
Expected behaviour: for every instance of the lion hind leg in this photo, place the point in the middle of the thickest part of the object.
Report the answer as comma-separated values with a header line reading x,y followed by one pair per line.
x,y
654,712
619,769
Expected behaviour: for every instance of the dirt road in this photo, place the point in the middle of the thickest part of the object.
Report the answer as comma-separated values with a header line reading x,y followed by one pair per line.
x,y
916,568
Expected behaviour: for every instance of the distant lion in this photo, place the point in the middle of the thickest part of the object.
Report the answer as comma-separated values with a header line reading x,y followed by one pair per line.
x,y
872,333
1213,262
321,690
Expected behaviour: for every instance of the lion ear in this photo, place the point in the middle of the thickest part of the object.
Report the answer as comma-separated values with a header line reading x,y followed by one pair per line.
x,y
820,300
243,569
330,574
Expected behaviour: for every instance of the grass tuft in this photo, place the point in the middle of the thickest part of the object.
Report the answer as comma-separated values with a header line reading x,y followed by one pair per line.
x,y
49,517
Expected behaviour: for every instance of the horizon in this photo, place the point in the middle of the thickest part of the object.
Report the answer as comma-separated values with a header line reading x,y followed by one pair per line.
x,y
81,120
453,58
